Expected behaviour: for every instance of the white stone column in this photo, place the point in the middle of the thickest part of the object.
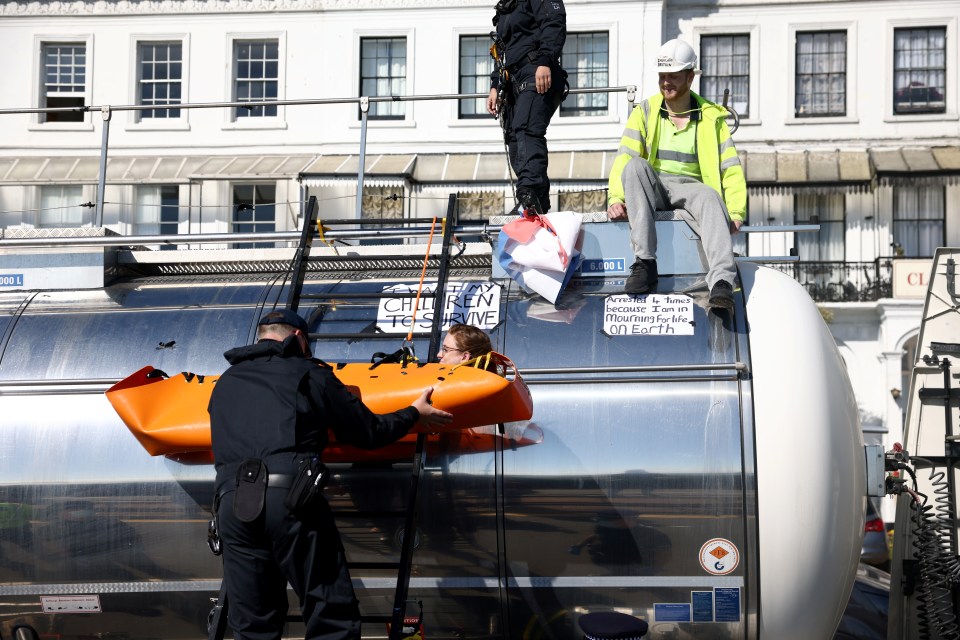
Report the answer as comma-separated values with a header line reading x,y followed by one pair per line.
x,y
894,407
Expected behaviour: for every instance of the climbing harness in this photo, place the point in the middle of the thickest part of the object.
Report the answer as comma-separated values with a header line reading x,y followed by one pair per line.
x,y
402,356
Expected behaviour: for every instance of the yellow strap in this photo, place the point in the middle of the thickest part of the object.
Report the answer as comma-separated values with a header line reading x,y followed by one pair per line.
x,y
483,362
320,230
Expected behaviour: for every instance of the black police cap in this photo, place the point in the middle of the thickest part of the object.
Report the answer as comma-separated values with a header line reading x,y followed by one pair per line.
x,y
285,316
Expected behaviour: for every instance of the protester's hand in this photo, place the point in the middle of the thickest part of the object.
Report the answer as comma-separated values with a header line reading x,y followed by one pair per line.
x,y
430,416
544,78
492,102
735,227
617,211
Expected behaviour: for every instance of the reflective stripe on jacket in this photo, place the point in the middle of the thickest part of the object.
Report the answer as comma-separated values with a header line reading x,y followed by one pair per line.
x,y
677,149
719,164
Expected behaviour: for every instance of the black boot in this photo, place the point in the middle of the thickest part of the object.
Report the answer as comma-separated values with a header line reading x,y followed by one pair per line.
x,y
528,204
721,295
643,277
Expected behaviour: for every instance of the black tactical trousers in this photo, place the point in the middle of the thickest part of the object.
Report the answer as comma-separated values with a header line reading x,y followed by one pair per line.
x,y
530,113
261,557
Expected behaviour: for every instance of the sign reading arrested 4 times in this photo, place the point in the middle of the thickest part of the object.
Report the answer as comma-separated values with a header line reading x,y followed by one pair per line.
x,y
476,303
656,314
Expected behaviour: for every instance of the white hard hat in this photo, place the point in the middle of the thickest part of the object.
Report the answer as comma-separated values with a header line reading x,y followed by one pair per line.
x,y
676,55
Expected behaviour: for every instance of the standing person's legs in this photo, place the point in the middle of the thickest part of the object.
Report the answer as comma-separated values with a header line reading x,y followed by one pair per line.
x,y
256,589
706,213
549,102
528,142
311,555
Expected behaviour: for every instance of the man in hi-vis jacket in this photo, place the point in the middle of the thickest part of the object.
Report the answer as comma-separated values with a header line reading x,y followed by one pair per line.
x,y
676,153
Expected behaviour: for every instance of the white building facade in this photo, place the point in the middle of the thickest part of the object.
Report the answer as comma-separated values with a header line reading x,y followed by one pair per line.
x,y
848,118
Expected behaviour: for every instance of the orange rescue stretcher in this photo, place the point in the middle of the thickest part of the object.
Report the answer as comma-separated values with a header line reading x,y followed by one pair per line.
x,y
168,415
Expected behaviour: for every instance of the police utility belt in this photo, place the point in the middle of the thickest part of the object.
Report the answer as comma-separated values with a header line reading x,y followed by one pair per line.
x,y
304,488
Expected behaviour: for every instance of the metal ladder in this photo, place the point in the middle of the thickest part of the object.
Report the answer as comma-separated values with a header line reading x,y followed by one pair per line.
x,y
217,620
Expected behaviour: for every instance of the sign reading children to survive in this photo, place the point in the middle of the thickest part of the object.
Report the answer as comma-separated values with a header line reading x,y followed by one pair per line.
x,y
657,314
476,303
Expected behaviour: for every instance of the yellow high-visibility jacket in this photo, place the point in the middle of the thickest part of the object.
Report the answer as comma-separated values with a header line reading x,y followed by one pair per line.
x,y
719,164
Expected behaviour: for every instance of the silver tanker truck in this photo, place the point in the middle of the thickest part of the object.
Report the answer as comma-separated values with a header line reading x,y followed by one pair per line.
x,y
701,471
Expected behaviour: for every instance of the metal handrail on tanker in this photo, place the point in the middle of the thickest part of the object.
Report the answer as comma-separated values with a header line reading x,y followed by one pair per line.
x,y
467,230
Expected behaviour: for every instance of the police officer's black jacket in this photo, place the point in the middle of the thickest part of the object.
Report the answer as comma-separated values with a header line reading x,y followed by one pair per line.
x,y
272,400
533,32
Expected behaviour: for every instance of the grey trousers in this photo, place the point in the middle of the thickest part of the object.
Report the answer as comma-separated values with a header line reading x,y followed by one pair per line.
x,y
647,192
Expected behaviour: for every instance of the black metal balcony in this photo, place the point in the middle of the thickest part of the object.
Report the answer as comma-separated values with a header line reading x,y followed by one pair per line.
x,y
843,281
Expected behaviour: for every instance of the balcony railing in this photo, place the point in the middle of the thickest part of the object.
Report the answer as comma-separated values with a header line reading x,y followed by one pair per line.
x,y
843,281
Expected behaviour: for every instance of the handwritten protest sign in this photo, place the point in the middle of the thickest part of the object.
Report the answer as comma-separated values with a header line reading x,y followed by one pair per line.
x,y
476,303
658,314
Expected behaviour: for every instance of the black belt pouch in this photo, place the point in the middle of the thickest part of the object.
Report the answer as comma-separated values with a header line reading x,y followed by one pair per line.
x,y
307,485
251,490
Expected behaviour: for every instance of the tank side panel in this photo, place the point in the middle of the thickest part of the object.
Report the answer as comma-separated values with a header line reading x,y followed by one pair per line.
x,y
110,334
651,468
97,516
810,461
102,519
637,471
11,303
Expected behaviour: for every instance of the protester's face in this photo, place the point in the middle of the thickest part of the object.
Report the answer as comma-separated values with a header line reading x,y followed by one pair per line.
x,y
676,84
450,352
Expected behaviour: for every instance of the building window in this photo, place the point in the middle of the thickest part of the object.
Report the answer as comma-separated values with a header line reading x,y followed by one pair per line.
x,y
586,201
726,67
64,80
821,268
920,70
821,74
918,220
476,65
383,72
586,59
160,77
479,205
827,210
158,212
381,203
61,206
254,211
256,75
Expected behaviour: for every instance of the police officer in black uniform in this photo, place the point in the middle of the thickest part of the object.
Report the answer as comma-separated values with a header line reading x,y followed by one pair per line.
x,y
530,36
269,415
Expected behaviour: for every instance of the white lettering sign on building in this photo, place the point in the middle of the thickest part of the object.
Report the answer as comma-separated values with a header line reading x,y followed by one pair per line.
x,y
657,314
911,278
476,303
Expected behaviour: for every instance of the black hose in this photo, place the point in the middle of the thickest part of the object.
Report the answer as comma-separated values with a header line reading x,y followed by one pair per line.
x,y
937,566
